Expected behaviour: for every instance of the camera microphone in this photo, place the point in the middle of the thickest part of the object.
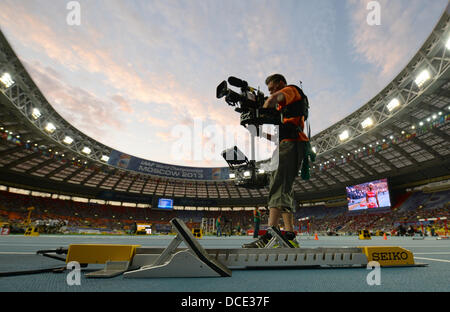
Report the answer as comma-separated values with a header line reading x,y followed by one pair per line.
x,y
236,82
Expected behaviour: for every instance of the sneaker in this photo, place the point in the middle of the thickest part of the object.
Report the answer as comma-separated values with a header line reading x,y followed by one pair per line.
x,y
259,243
294,243
290,237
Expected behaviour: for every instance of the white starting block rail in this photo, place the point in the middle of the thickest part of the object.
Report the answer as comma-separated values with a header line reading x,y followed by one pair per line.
x,y
196,261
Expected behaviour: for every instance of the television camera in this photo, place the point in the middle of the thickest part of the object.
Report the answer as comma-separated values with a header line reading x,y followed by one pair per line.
x,y
249,103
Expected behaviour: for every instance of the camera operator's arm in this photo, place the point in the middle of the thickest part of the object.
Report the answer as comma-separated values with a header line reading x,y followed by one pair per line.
x,y
274,100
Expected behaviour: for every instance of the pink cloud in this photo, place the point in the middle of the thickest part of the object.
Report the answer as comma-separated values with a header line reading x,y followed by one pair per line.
x,y
388,46
145,117
79,107
78,54
123,104
164,136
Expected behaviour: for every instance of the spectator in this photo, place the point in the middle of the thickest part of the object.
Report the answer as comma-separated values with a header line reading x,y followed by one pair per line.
x,y
257,222
219,225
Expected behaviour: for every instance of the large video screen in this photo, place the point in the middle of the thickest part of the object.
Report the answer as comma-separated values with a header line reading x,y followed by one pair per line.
x,y
370,195
164,203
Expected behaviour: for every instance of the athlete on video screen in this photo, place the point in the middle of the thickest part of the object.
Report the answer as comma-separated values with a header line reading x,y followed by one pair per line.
x,y
372,197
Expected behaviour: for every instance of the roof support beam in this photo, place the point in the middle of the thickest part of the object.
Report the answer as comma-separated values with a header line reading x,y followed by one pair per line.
x,y
21,160
39,166
59,169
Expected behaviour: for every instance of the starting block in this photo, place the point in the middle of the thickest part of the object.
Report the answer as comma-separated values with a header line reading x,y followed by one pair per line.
x,y
277,237
191,262
198,233
31,231
364,234
195,261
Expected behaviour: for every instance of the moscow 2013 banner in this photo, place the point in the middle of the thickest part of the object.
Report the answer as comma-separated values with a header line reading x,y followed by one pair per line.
x,y
125,161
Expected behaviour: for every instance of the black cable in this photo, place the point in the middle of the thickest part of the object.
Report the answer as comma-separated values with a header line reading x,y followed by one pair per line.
x,y
45,253
28,272
58,251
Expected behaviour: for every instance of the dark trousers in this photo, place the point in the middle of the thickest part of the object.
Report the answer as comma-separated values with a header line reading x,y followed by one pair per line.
x,y
256,231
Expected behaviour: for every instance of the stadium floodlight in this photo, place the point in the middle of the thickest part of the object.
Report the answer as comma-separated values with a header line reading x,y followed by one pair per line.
x,y
50,128
344,135
247,174
232,176
68,140
367,123
86,150
314,149
447,45
261,171
393,104
7,80
105,158
423,77
36,113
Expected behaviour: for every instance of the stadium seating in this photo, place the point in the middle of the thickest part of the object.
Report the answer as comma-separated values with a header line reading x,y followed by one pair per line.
x,y
69,215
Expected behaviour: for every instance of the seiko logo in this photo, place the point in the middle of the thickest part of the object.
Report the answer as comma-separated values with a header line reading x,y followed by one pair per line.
x,y
383,256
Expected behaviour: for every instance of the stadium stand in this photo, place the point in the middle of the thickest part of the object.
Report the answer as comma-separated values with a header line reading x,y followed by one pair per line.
x,y
57,215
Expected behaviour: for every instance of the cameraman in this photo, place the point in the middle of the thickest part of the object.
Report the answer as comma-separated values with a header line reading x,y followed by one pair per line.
x,y
287,99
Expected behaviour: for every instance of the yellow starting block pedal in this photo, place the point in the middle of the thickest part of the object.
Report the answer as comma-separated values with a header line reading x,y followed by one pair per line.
x,y
115,257
31,231
364,234
390,256
198,233
100,253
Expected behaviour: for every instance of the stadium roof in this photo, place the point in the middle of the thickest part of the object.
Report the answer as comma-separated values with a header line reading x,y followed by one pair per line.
x,y
403,133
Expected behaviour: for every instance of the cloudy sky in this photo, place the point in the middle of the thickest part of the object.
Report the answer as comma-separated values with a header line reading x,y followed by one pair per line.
x,y
140,76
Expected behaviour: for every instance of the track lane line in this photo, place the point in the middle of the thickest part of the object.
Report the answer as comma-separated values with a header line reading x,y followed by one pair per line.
x,y
432,253
431,259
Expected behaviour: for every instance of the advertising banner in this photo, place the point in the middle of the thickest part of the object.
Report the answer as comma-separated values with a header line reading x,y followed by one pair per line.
x,y
122,160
